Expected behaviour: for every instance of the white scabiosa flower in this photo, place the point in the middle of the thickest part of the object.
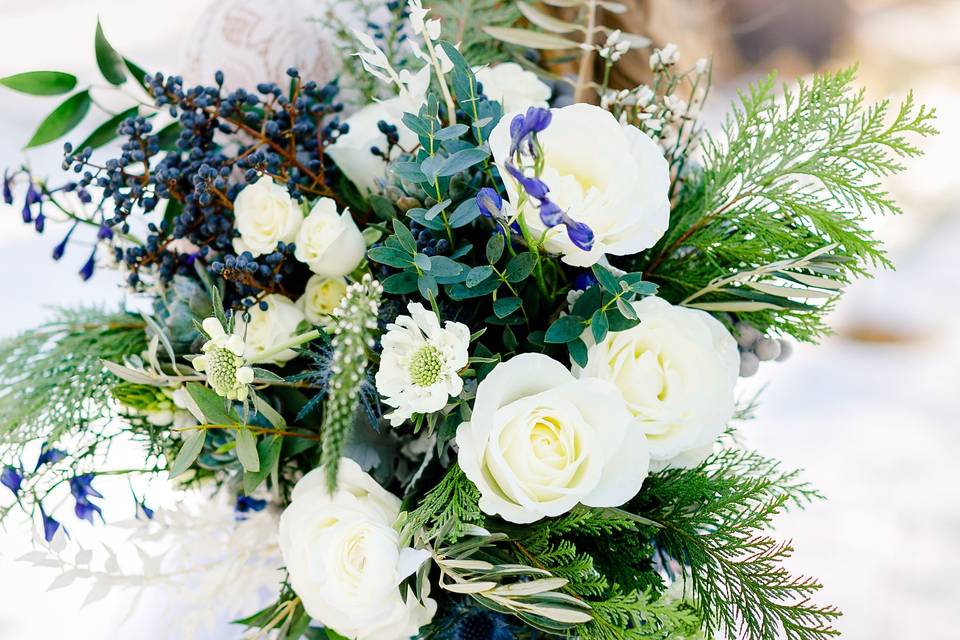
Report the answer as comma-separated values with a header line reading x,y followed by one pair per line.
x,y
265,216
513,86
321,297
223,363
676,371
420,363
329,242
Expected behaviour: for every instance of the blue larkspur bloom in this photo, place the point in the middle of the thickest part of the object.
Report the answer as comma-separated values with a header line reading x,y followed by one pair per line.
x,y
489,202
550,213
525,126
86,271
50,525
33,197
82,489
246,504
7,187
11,478
535,187
62,246
49,456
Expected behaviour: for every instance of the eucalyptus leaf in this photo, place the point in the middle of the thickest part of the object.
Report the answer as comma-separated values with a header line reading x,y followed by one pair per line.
x,y
564,329
520,266
495,247
400,283
406,238
478,275
465,213
505,306
461,161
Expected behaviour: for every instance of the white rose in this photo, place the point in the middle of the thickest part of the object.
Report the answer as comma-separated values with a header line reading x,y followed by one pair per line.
x,y
321,297
513,86
329,242
271,328
676,371
609,176
351,151
344,557
265,214
540,441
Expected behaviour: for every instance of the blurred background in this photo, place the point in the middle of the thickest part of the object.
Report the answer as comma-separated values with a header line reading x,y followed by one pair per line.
x,y
872,414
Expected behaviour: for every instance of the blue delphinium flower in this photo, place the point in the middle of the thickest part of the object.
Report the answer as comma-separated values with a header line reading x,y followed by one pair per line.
x,y
62,246
49,456
524,127
33,197
86,271
11,478
50,525
246,504
83,491
7,187
489,202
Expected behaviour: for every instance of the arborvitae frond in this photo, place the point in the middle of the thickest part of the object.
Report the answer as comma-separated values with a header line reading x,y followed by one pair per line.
x,y
788,177
713,520
355,323
447,509
52,381
636,615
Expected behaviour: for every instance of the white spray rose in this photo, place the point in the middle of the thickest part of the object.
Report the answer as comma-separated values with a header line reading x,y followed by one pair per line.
x,y
540,441
351,151
321,297
329,242
676,370
609,176
345,560
265,215
513,86
269,329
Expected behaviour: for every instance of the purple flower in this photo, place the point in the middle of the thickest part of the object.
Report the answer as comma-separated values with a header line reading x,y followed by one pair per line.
x,y
38,223
579,233
33,196
11,478
535,187
584,280
550,213
104,232
524,127
82,490
50,525
62,246
86,271
246,504
49,456
7,187
489,202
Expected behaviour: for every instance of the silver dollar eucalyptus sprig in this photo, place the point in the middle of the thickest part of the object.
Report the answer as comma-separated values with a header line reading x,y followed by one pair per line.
x,y
355,322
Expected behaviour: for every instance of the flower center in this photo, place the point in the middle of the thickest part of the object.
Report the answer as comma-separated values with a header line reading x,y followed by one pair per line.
x,y
425,366
222,365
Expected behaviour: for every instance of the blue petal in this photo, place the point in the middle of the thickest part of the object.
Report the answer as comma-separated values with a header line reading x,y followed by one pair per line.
x,y
49,456
50,525
550,213
11,478
489,202
579,233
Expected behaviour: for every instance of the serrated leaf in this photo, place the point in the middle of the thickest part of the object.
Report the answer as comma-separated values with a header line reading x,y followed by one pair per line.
x,y
192,446
40,83
564,329
109,61
107,131
545,21
532,39
61,120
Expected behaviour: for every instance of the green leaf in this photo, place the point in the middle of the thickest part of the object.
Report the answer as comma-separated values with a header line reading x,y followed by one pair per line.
x,y
409,171
390,257
444,267
607,280
40,83
505,306
268,452
626,309
107,131
510,339
588,302
546,21
564,329
400,283
599,325
478,275
578,352
520,266
211,405
247,450
168,136
382,207
532,39
138,73
192,446
462,160
108,60
404,236
495,248
427,285
61,120
453,131
465,213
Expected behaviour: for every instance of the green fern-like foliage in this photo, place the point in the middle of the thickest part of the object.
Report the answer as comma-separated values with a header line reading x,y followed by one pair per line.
x,y
713,521
52,381
462,22
789,176
448,509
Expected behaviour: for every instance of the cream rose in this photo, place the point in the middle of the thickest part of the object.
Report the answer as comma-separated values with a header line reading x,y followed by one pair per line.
x,y
513,86
265,215
676,371
269,329
321,297
609,176
540,441
329,242
344,557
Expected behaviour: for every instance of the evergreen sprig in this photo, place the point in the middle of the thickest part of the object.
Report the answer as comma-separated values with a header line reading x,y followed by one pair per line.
x,y
448,509
789,176
355,322
713,520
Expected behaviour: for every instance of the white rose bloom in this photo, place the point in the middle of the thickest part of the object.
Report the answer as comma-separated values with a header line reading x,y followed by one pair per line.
x,y
609,176
321,297
540,441
676,370
513,86
345,560
269,329
329,242
351,151
265,215
420,363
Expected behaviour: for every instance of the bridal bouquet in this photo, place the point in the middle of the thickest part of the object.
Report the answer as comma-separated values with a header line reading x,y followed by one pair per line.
x,y
452,342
